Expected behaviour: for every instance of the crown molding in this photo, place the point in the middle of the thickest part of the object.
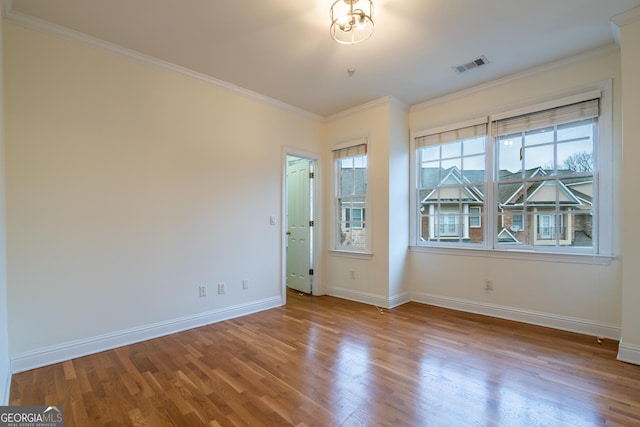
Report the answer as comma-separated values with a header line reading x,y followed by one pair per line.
x,y
385,100
544,68
628,17
76,36
359,108
398,103
624,18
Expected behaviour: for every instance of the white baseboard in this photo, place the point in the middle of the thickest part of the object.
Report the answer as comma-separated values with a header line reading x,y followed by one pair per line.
x,y
399,299
358,296
5,388
565,323
368,298
58,353
629,353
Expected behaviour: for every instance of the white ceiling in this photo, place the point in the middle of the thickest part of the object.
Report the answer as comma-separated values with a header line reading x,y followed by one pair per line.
x,y
282,48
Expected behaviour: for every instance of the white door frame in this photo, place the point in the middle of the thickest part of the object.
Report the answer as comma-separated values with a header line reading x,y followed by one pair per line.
x,y
317,216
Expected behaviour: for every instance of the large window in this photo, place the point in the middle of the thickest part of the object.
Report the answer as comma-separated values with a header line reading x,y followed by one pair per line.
x,y
452,179
351,197
545,176
526,180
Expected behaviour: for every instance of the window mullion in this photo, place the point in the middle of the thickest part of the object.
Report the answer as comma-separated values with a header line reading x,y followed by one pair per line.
x,y
491,192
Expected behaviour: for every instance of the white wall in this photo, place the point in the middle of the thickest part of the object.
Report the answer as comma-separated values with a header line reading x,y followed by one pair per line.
x,y
398,203
5,372
575,296
380,277
128,186
630,38
371,272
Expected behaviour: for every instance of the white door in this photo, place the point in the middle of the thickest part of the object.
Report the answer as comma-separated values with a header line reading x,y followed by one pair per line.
x,y
545,228
299,230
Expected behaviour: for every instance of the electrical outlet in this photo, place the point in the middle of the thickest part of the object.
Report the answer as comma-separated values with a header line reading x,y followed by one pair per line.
x,y
488,287
245,284
220,288
352,274
202,291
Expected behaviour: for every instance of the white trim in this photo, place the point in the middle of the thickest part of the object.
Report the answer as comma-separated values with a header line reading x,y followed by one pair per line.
x,y
333,219
82,347
399,299
628,17
5,390
317,214
363,107
602,241
544,68
395,102
604,168
550,320
629,353
66,33
521,255
351,254
369,298
622,19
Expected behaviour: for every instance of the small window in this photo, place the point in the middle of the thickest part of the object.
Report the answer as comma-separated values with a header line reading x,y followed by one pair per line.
x,y
351,198
354,217
474,218
517,222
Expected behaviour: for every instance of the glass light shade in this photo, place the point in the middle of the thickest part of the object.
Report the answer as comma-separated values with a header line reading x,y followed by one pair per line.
x,y
351,21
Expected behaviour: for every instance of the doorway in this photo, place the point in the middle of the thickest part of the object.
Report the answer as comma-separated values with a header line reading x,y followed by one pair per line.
x,y
299,223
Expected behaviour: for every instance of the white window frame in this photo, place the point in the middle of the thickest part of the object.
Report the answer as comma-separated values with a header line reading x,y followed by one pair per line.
x,y
350,221
447,219
473,215
601,253
336,247
414,169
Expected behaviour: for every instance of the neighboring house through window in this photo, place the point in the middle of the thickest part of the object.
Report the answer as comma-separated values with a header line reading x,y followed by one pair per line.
x,y
452,181
547,163
350,164
545,175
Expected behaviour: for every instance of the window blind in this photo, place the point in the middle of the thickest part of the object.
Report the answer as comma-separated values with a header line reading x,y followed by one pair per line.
x,y
452,135
554,116
353,151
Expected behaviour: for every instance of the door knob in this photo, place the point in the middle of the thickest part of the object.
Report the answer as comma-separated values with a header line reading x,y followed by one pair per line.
x,y
288,233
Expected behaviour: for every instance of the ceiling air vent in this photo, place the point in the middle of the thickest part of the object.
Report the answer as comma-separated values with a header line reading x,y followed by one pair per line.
x,y
470,65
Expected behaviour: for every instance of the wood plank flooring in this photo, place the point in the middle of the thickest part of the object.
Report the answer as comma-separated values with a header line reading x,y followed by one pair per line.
x,y
322,361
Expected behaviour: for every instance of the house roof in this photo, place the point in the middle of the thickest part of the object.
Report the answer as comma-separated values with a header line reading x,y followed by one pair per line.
x,y
572,191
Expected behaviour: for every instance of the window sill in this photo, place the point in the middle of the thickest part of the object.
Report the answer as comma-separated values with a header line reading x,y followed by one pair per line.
x,y
351,254
519,255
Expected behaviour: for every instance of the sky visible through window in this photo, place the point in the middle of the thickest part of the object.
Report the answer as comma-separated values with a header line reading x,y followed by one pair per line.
x,y
571,143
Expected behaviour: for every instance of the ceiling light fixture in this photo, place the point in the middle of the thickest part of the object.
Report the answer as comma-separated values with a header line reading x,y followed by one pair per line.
x,y
351,25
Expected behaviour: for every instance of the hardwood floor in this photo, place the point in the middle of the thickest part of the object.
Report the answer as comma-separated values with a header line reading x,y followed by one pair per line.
x,y
322,361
